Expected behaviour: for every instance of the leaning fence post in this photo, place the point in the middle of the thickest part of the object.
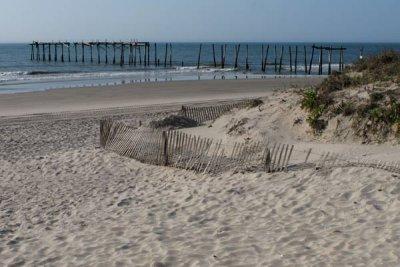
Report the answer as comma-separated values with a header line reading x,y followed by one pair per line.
x,y
308,155
267,163
184,111
165,148
288,158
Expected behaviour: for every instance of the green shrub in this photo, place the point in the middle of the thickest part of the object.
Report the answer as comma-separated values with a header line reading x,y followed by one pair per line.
x,y
337,81
383,113
315,121
309,101
313,103
382,67
377,114
393,113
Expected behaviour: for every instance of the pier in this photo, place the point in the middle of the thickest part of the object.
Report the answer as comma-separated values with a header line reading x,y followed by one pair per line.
x,y
145,54
42,51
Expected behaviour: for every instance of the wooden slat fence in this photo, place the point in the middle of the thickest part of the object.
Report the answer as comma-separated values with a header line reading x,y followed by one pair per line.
x,y
203,114
190,152
205,155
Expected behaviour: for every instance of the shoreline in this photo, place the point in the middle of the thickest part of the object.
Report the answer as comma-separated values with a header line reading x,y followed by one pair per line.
x,y
140,94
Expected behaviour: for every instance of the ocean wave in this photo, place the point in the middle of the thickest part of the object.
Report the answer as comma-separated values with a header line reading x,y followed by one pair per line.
x,y
204,69
41,72
45,75
143,73
12,73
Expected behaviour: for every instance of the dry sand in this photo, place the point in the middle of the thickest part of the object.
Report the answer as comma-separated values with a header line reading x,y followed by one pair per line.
x,y
78,99
66,202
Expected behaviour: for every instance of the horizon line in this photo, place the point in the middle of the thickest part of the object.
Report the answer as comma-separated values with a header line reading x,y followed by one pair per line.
x,y
207,42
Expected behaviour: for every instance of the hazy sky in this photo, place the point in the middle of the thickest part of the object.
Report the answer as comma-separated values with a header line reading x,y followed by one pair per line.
x,y
201,20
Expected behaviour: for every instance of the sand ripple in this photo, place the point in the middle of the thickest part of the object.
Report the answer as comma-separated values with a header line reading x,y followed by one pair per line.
x,y
90,207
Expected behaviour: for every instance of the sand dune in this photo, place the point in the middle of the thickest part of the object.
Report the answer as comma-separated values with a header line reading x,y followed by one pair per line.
x,y
66,202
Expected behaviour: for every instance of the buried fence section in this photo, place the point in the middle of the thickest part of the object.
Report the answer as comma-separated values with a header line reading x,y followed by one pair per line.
x,y
325,159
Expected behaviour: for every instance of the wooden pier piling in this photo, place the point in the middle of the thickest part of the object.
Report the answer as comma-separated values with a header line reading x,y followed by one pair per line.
x,y
37,52
145,56
69,52
215,61
91,53
106,49
311,60
237,50
281,59
262,58
83,52
155,55
166,55
130,60
295,60
148,53
320,61
32,53
122,60
98,53
330,61
140,56
135,56
290,58
276,59
342,58
199,57
170,55
222,57
266,59
55,52
62,52
43,51
115,52
76,52
305,60
247,58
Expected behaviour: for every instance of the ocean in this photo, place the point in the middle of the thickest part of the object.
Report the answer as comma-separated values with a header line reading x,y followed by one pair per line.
x,y
18,73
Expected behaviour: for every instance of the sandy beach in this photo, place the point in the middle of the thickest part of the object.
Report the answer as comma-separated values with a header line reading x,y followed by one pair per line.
x,y
199,133
154,93
67,202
